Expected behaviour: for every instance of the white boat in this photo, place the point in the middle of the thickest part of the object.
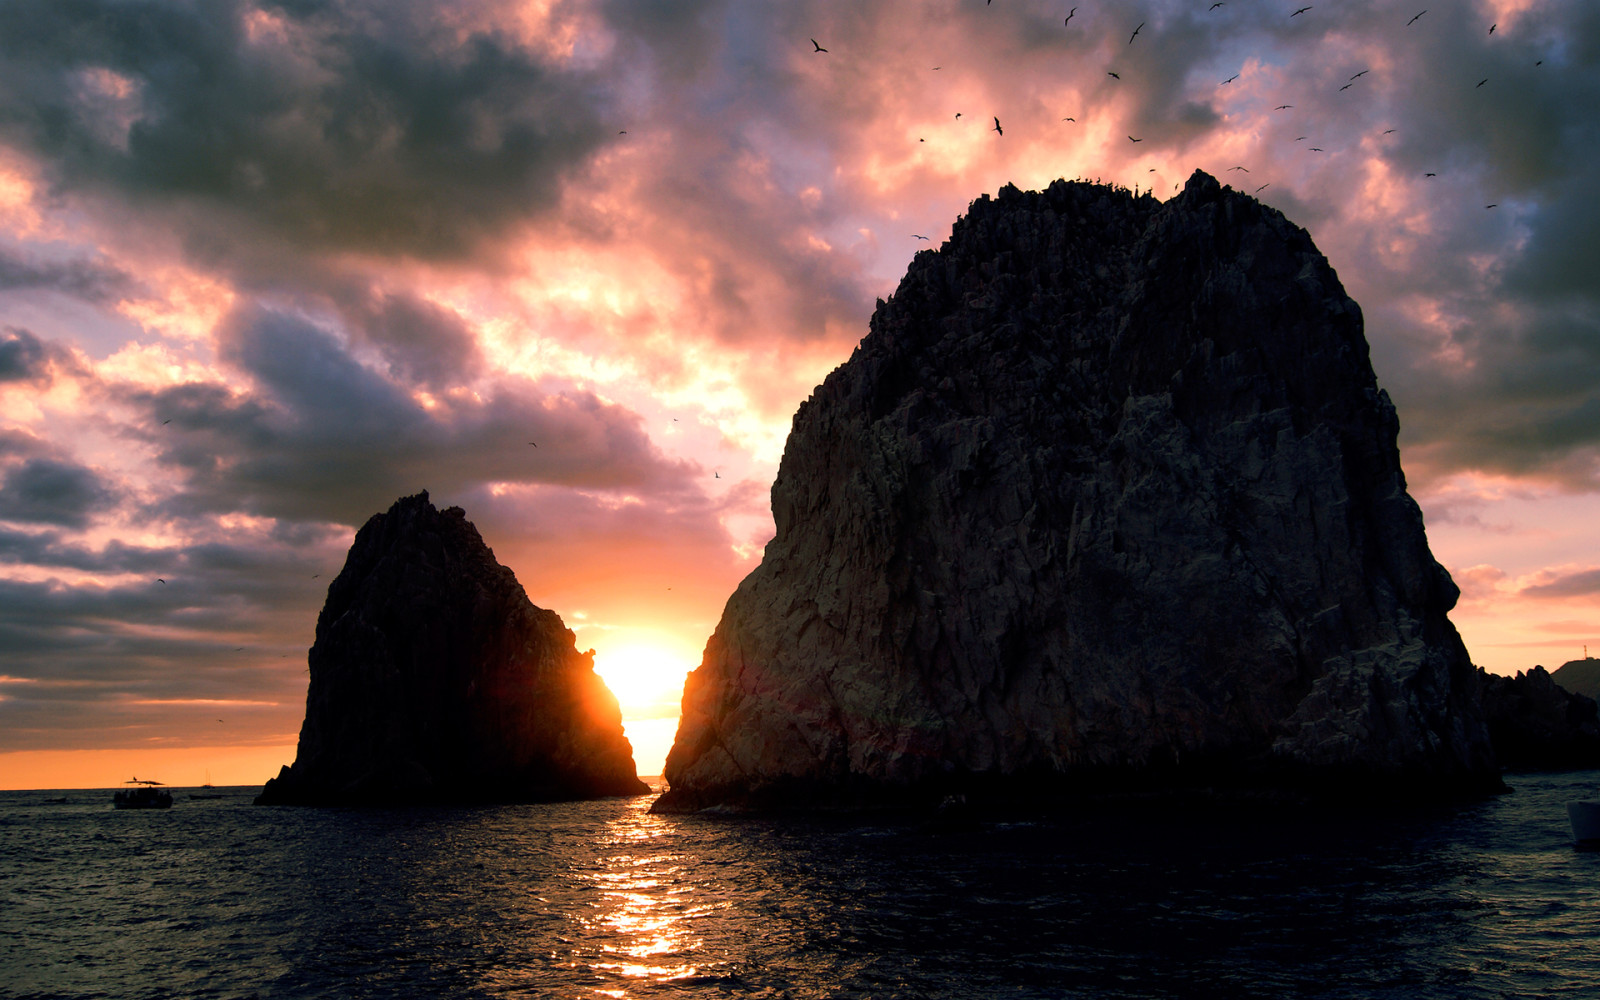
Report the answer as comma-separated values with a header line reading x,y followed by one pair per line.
x,y
1585,820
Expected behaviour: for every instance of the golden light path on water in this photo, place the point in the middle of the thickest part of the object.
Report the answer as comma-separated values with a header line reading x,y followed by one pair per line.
x,y
646,906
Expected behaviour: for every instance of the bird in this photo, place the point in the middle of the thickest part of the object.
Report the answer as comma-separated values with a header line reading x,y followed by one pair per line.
x,y
1069,119
1111,74
958,114
917,237
1302,10
1539,63
1282,106
1492,27
1388,130
1481,82
622,131
1347,86
1300,137
1132,139
1135,32
1070,14
1213,7
535,444
997,127
818,47
1495,205
1263,187
1314,149
1361,74
1414,19
1230,79
159,580
716,475
1430,175
1245,169
315,575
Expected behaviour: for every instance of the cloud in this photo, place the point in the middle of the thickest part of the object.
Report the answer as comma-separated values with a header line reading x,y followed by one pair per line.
x,y
378,127
26,358
321,436
87,279
1581,583
47,491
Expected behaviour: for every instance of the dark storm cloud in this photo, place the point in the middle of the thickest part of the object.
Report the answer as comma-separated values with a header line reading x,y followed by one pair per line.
x,y
47,491
326,438
421,342
342,124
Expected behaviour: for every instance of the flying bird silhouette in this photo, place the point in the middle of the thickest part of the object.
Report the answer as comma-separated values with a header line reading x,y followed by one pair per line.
x,y
532,443
166,422
997,127
1135,32
1213,7
1302,10
917,237
1111,74
1229,79
1430,175
1481,82
1347,86
1070,15
1132,139
818,47
159,580
1314,149
1492,27
958,114
1069,119
1263,187
1246,170
1361,74
1414,19
1495,205
1282,106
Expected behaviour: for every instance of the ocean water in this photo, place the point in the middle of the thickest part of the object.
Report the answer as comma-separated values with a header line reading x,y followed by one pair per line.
x,y
219,898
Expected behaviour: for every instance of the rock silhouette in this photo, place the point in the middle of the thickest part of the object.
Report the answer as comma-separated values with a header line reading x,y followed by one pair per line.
x,y
434,679
1536,724
1107,497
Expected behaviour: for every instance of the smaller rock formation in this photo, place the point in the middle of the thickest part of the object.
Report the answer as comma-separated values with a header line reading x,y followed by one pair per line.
x,y
1579,676
434,679
1535,724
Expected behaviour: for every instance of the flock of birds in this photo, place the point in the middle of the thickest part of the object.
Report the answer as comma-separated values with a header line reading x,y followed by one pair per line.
x,y
999,129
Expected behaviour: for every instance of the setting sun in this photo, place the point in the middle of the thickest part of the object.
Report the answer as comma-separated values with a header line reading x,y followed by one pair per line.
x,y
647,679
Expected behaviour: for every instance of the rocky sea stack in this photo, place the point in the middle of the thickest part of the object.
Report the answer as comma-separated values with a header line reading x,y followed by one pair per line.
x,y
1108,497
434,679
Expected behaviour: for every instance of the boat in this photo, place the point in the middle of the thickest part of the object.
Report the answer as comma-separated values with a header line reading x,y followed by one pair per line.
x,y
145,794
1585,820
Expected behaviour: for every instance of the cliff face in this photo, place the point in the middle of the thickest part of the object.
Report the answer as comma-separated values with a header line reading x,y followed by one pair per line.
x,y
1108,489
433,678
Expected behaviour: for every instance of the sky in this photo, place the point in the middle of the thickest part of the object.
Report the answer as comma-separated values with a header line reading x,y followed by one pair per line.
x,y
266,267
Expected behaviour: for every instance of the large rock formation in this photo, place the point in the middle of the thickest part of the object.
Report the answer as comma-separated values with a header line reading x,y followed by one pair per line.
x,y
434,679
1536,724
1109,491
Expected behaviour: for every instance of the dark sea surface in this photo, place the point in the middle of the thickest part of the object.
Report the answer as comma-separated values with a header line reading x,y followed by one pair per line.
x,y
219,898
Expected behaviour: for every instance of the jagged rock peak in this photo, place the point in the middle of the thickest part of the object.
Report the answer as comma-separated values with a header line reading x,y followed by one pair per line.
x,y
1108,492
435,679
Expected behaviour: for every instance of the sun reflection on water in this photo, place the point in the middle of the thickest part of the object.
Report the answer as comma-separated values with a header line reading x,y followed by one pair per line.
x,y
644,914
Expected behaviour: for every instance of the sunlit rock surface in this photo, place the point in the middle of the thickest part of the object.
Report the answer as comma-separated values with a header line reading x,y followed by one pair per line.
x,y
1109,493
434,679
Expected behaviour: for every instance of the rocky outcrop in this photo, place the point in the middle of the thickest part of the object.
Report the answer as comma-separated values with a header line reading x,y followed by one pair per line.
x,y
434,679
1579,676
1108,492
1536,724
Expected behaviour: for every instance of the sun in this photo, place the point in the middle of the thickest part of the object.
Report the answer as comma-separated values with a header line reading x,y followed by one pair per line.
x,y
647,680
